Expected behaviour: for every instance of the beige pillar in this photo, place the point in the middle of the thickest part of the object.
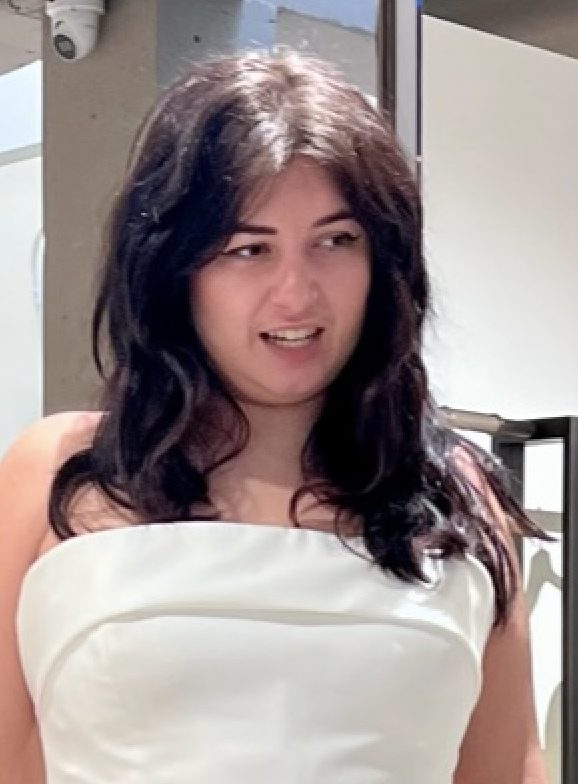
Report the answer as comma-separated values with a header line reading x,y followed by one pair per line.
x,y
91,110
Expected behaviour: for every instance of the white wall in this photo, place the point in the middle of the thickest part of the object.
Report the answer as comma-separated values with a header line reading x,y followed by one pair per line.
x,y
20,320
500,183
21,107
500,187
20,226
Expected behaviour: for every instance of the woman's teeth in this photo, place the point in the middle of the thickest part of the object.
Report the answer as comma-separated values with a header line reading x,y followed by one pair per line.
x,y
291,338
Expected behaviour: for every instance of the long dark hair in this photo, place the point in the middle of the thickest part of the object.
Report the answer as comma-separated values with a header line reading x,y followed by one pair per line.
x,y
378,452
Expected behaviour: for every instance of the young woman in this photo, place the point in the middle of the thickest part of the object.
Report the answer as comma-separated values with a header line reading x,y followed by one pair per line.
x,y
267,559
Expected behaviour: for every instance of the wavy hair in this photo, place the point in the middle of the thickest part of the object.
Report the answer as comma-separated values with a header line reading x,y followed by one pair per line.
x,y
379,452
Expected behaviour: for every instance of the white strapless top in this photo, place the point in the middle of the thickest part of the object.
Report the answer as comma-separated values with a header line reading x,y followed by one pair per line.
x,y
217,653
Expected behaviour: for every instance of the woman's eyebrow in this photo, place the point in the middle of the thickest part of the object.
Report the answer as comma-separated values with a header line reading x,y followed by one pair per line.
x,y
343,214
253,228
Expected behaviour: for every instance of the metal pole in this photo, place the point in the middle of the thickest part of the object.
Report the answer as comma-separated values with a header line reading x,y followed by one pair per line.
x,y
399,80
408,79
385,38
570,607
492,424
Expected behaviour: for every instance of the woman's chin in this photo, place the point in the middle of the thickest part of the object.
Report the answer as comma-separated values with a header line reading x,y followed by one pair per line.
x,y
284,398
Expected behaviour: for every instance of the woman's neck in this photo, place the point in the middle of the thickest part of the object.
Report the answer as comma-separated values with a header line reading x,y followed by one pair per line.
x,y
259,483
276,440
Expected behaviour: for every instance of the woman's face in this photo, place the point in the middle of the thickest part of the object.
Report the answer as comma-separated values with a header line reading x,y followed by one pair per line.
x,y
281,309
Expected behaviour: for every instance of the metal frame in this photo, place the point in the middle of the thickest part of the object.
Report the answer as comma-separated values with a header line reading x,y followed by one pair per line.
x,y
511,450
509,438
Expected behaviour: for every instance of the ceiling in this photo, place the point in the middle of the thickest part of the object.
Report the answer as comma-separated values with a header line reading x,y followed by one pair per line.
x,y
550,24
20,33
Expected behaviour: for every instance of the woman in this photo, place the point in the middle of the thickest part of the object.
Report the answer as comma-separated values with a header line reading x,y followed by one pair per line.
x,y
268,560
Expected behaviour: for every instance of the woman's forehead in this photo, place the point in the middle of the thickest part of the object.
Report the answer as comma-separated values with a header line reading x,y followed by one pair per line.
x,y
302,181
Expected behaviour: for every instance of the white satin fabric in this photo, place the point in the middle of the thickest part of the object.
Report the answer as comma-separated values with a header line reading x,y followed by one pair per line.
x,y
217,653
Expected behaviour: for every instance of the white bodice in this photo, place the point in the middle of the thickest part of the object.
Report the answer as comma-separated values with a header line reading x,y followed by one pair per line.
x,y
212,653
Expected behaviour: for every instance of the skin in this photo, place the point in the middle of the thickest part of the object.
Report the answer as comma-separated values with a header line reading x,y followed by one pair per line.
x,y
297,273
292,263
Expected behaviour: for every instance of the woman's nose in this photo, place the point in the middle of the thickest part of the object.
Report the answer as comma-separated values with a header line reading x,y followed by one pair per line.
x,y
294,288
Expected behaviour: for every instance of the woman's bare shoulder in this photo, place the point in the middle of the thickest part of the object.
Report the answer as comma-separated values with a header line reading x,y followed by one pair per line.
x,y
28,466
57,435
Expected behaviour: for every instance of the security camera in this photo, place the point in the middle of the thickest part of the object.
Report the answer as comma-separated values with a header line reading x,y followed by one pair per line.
x,y
74,26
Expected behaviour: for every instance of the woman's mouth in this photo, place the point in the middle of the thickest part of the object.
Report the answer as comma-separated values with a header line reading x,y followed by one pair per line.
x,y
292,338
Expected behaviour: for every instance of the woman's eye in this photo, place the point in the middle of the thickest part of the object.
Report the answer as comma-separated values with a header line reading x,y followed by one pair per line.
x,y
246,251
343,239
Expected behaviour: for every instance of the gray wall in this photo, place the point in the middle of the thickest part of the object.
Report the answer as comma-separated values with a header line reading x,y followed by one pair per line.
x,y
91,111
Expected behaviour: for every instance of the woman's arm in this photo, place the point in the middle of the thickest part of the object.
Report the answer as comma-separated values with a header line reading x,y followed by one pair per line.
x,y
26,474
23,485
501,744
